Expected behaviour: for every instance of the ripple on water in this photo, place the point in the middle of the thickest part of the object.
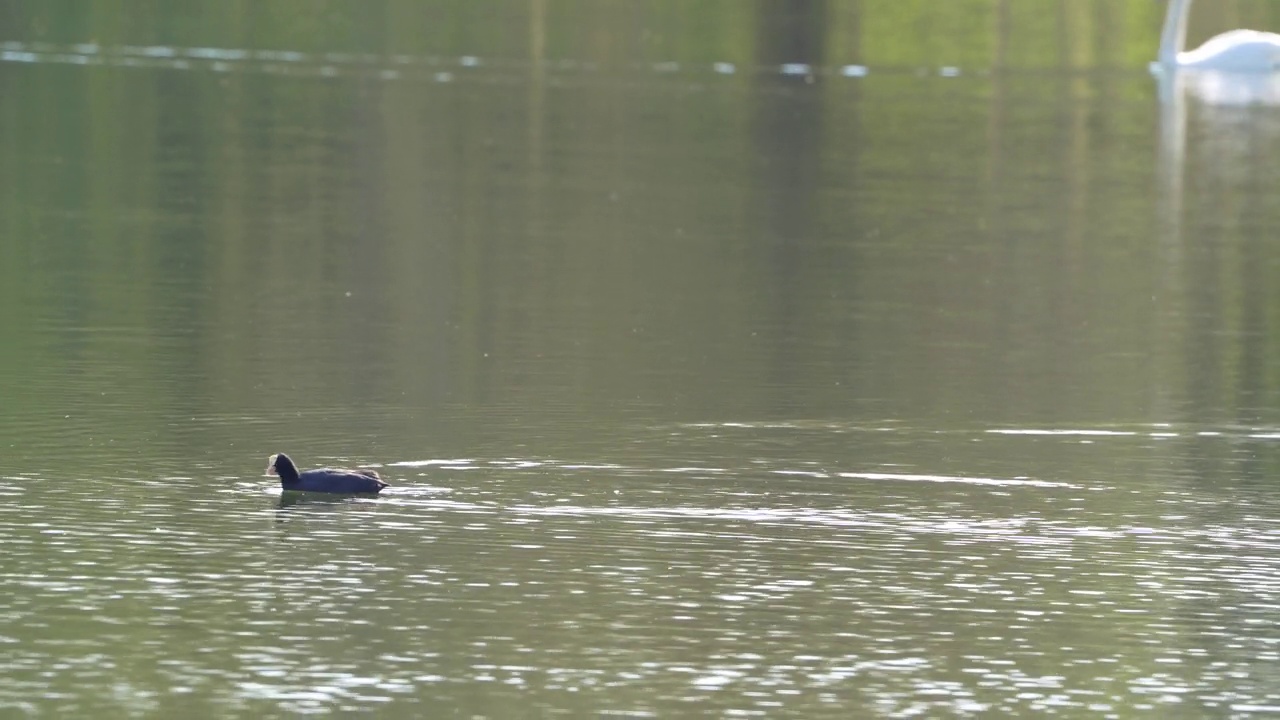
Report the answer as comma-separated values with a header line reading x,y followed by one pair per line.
x,y
777,583
400,66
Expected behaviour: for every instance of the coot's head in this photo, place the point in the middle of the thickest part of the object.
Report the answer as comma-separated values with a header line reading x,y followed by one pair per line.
x,y
280,464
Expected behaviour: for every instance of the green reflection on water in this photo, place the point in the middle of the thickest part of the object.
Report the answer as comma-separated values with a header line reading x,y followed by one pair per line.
x,y
626,268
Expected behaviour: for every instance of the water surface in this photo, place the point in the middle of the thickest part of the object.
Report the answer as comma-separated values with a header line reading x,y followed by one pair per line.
x,y
812,380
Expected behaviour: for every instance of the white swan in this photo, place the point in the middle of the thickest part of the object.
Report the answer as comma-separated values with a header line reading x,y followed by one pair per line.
x,y
1242,51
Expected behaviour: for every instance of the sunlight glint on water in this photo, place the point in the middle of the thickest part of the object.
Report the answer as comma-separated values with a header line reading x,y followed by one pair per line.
x,y
709,380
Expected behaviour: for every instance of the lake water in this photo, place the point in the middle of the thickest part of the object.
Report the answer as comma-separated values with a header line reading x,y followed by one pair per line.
x,y
719,371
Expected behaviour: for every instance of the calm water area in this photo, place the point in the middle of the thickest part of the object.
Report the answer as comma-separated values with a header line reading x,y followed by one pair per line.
x,y
778,360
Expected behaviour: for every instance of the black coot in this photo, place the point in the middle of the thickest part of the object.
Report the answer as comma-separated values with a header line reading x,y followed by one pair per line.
x,y
330,480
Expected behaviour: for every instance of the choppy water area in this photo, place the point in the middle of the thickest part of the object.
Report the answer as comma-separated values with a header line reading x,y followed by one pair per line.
x,y
709,383
734,569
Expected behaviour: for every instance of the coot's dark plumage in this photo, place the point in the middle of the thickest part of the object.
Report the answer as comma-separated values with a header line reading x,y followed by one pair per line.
x,y
330,480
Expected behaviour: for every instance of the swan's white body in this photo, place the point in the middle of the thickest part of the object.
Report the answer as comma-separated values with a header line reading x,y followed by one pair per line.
x,y
1237,51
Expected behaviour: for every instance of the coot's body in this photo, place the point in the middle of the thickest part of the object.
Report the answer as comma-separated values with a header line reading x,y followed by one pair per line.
x,y
329,480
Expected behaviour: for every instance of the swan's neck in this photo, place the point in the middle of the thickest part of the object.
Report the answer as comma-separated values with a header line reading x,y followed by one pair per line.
x,y
1174,35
